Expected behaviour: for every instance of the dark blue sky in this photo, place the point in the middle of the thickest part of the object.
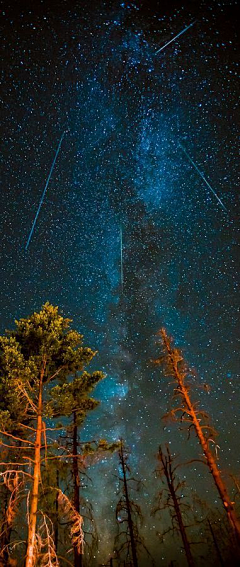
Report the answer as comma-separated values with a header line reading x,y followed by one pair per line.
x,y
95,71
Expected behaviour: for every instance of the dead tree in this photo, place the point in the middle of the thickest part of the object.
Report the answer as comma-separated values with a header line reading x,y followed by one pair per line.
x,y
56,511
78,552
215,542
12,486
198,420
80,504
128,515
216,533
170,498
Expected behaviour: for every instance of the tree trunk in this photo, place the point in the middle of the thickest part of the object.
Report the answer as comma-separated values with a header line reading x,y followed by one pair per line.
x,y
10,510
6,534
167,466
211,462
216,544
130,522
56,511
78,556
183,531
222,490
30,553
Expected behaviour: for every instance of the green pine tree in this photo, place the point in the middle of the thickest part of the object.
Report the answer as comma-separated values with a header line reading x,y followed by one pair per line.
x,y
39,365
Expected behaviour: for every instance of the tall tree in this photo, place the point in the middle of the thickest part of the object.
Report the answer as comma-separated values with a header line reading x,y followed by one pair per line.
x,y
14,440
72,400
175,366
170,498
128,514
42,351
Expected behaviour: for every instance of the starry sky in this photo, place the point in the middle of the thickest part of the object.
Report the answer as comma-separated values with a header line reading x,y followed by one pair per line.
x,y
92,70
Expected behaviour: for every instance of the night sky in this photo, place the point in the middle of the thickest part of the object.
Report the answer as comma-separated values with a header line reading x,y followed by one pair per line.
x,y
91,69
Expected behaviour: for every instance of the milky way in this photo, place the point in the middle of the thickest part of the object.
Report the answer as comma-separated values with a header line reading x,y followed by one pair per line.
x,y
121,169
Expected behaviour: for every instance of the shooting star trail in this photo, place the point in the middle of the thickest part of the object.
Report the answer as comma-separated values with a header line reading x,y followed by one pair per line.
x,y
44,190
121,255
203,178
175,37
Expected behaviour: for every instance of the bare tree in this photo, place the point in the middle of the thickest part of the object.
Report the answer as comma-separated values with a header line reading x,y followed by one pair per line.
x,y
128,514
170,497
188,412
216,533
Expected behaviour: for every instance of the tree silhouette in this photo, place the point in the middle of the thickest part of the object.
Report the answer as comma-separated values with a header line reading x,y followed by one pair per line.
x,y
72,400
216,533
171,498
128,541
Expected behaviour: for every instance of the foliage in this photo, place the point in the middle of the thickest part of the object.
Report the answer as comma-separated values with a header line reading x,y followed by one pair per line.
x,y
42,377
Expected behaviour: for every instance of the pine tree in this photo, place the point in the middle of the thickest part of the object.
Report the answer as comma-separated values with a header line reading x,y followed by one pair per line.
x,y
72,400
175,366
42,351
14,430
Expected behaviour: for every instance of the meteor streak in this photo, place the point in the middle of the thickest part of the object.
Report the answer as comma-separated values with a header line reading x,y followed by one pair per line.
x,y
44,190
175,37
121,255
204,178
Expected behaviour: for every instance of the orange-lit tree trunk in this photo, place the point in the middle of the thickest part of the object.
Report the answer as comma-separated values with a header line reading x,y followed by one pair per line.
x,y
42,349
78,557
32,522
176,367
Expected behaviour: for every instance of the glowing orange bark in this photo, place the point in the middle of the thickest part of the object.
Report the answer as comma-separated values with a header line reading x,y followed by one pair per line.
x,y
30,560
172,360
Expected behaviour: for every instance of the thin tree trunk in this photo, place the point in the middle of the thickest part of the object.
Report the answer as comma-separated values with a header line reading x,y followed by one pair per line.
x,y
222,490
130,522
10,509
78,557
167,466
6,533
30,559
216,544
56,510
